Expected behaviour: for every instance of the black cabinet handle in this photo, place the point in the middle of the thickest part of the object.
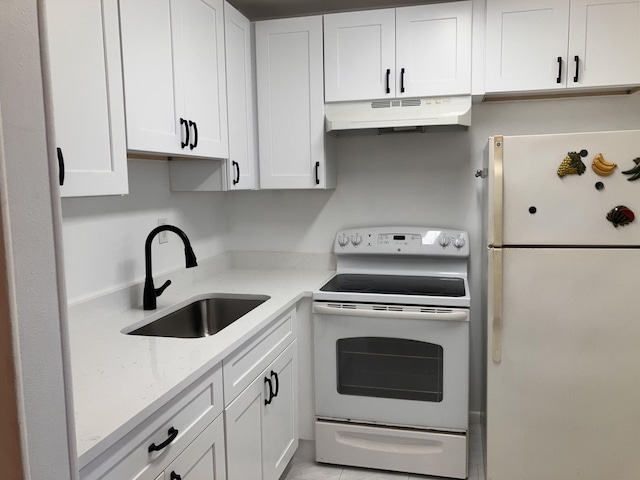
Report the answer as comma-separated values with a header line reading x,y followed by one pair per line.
x,y
317,173
236,169
577,60
195,134
559,78
267,401
402,80
388,75
60,166
175,476
275,375
173,433
186,134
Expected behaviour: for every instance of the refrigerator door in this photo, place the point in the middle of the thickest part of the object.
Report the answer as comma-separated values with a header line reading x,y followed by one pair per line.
x,y
532,205
563,397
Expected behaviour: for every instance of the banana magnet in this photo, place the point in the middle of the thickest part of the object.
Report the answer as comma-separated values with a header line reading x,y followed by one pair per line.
x,y
602,167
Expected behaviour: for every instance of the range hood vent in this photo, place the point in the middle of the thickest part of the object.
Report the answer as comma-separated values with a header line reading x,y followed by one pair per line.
x,y
402,114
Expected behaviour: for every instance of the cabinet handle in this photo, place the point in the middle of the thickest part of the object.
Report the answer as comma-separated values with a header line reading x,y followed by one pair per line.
x,y
173,433
577,60
186,134
195,134
267,401
388,75
275,375
559,78
175,476
236,167
317,173
60,166
402,80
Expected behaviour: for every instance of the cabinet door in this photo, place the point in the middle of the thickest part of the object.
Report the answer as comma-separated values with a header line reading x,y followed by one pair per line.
x,y
526,45
280,420
86,85
359,55
290,103
605,36
243,421
147,29
204,459
433,49
200,66
242,149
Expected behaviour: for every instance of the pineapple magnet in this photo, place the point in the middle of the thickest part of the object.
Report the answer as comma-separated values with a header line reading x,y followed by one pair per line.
x,y
571,165
620,216
635,171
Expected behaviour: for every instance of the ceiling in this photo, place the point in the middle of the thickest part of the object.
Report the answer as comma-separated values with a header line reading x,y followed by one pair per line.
x,y
265,9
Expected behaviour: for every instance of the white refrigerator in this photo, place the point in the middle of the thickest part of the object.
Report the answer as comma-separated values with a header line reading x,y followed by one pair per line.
x,y
563,308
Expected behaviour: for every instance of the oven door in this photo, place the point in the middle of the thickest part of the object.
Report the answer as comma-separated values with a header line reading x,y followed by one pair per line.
x,y
391,364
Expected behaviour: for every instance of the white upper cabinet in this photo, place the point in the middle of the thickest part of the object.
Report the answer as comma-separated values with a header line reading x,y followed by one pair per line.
x,y
174,77
240,102
294,151
605,36
405,52
360,51
86,86
542,45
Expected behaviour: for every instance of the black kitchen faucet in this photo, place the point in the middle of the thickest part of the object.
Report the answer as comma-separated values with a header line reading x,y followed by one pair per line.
x,y
150,292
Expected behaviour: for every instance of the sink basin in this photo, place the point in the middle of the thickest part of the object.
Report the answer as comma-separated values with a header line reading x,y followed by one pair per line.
x,y
203,317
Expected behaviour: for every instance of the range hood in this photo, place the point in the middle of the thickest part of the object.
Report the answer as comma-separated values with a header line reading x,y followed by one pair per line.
x,y
399,114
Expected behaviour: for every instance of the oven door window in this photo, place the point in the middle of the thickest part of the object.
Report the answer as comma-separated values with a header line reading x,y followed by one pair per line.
x,y
389,368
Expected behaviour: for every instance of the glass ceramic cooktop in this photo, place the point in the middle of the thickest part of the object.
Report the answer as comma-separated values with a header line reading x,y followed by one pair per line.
x,y
396,285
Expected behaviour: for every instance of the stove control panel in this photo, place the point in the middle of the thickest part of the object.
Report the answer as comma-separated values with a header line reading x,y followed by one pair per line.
x,y
402,241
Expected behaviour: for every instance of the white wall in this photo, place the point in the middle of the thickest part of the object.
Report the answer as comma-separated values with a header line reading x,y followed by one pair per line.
x,y
415,179
104,237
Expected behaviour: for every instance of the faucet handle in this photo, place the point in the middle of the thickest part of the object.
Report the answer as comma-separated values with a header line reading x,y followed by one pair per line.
x,y
162,288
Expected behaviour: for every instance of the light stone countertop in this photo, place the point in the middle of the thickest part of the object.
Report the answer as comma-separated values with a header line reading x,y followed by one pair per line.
x,y
119,380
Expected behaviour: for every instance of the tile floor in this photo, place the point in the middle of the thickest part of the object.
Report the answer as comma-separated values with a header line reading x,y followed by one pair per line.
x,y
303,466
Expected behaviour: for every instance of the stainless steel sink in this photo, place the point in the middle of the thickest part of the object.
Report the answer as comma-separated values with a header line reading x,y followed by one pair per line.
x,y
203,317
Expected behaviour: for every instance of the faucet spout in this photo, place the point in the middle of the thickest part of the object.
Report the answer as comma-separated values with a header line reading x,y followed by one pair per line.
x,y
150,292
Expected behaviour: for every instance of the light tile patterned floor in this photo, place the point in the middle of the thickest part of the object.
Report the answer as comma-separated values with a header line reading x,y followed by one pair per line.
x,y
303,467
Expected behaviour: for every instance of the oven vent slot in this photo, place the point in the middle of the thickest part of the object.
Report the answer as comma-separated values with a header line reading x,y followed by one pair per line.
x,y
434,310
389,308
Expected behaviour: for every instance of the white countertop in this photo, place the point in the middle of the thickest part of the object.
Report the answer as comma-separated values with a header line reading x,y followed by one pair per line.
x,y
119,380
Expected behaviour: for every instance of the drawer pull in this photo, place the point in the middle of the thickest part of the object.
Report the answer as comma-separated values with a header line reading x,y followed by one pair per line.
x,y
275,375
267,401
173,433
175,476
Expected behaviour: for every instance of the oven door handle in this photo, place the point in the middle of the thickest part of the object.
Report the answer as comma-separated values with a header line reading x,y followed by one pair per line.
x,y
456,316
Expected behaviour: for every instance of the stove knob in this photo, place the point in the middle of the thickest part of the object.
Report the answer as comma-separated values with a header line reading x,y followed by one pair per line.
x,y
459,242
443,240
357,240
343,240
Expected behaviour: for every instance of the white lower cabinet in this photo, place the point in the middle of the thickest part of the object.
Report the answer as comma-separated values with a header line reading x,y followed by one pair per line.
x,y
189,438
262,422
204,459
149,449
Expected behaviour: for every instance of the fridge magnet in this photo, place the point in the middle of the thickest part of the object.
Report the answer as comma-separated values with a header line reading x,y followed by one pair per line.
x,y
635,171
571,165
620,215
602,167
599,185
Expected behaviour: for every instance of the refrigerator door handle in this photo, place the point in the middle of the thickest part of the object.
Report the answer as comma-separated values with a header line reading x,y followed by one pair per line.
x,y
497,306
498,190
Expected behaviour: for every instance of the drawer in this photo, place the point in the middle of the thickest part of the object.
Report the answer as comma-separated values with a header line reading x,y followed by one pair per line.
x,y
244,365
189,413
